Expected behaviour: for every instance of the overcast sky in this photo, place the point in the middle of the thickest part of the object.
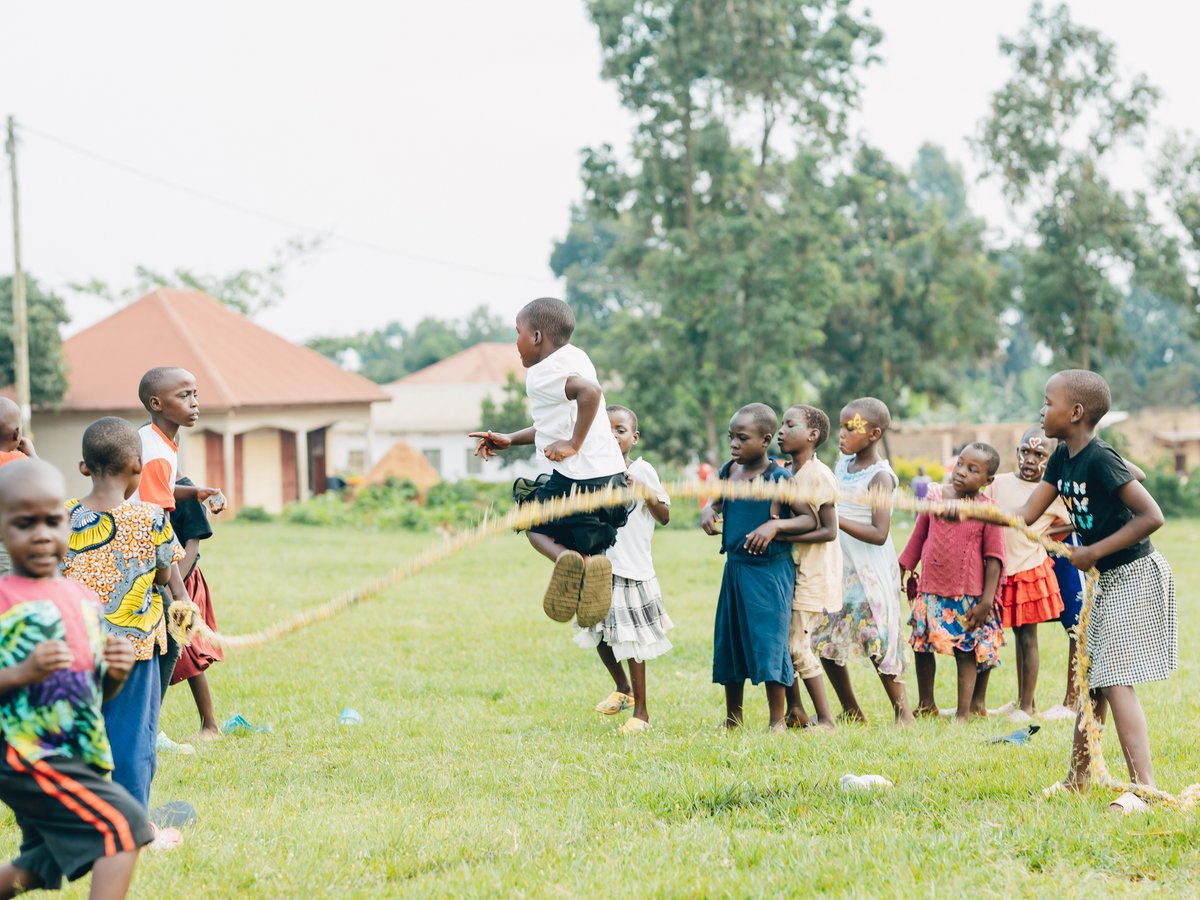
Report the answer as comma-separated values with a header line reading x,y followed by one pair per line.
x,y
446,135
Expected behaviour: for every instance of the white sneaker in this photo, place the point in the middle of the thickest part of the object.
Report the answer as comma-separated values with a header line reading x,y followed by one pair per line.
x,y
165,745
1058,711
1005,710
1019,716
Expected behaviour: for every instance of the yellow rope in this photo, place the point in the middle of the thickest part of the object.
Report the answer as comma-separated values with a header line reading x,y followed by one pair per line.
x,y
186,624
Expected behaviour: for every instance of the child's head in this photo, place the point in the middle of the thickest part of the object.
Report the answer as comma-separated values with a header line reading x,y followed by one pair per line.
x,y
543,326
751,431
10,424
863,423
624,424
33,517
1076,400
169,394
112,450
1033,453
803,427
975,468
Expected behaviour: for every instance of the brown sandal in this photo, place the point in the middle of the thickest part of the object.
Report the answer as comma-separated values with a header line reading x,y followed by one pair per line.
x,y
595,599
562,594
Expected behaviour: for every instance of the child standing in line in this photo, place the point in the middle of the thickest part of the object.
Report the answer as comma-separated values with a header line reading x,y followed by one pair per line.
x,y
1030,594
125,552
56,667
13,446
190,523
868,621
565,401
817,555
1132,634
750,632
955,610
636,627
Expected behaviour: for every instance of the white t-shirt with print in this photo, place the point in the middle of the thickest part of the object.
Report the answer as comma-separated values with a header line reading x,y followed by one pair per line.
x,y
554,416
630,555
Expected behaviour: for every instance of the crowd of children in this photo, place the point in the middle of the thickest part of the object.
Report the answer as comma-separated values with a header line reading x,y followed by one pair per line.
x,y
807,589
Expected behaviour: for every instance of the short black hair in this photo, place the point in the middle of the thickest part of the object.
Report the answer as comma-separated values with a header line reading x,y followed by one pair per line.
x,y
551,317
109,444
763,416
152,382
624,411
814,418
873,410
1037,431
1089,390
993,457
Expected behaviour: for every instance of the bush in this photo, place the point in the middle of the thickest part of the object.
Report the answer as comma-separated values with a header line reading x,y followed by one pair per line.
x,y
395,504
906,469
1177,497
253,514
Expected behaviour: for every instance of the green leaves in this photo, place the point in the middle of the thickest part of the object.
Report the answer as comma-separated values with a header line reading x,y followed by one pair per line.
x,y
47,367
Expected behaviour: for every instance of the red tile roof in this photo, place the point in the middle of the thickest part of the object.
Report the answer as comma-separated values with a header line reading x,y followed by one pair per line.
x,y
236,363
488,363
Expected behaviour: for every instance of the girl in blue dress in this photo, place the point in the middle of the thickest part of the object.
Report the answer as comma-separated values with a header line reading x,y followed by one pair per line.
x,y
754,610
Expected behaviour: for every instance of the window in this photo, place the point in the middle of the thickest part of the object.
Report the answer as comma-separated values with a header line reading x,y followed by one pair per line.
x,y
357,461
474,463
435,458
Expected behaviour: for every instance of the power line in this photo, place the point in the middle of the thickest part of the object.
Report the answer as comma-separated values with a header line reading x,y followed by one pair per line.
x,y
269,217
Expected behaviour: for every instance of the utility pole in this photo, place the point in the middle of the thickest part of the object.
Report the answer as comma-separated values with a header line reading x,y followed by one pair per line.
x,y
19,315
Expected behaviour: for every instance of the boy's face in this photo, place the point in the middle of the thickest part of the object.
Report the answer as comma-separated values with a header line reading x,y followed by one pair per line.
x,y
177,400
33,522
10,428
624,431
1059,414
856,433
794,434
747,442
1032,456
970,472
529,343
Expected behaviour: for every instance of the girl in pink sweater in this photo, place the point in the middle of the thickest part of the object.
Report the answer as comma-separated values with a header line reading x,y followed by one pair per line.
x,y
955,610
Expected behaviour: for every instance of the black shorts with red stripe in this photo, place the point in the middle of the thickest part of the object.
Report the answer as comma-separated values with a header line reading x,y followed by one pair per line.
x,y
71,814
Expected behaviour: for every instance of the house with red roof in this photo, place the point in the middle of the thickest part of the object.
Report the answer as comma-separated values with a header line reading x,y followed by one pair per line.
x,y
266,405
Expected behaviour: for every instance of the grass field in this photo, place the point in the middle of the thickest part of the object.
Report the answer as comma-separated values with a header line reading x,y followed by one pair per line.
x,y
481,768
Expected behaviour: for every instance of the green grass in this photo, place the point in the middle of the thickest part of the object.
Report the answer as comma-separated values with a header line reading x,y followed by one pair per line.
x,y
481,768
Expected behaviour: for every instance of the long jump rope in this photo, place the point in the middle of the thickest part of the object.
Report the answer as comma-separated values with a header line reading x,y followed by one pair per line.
x,y
185,623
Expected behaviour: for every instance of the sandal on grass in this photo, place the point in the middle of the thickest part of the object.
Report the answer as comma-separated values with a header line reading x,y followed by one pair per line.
x,y
595,598
562,594
633,726
1127,803
165,839
614,703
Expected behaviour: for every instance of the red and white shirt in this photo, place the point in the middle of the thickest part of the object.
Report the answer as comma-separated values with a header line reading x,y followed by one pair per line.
x,y
160,465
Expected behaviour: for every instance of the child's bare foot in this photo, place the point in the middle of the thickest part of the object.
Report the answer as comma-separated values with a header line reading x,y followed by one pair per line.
x,y
796,718
904,719
926,712
207,733
1072,784
853,716
777,728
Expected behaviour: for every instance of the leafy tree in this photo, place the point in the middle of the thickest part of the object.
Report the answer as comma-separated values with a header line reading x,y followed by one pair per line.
x,y
47,367
511,414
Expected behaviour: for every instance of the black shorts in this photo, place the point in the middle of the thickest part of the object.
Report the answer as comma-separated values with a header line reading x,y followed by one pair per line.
x,y
70,815
588,532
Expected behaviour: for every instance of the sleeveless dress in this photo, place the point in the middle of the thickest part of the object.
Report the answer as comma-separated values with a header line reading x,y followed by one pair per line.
x,y
869,620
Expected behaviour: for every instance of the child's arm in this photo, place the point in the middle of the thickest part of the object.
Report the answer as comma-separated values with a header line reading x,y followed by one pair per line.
x,y
491,442
757,540
824,530
191,549
1039,501
1138,474
911,555
184,492
881,489
25,445
118,660
978,614
659,511
1147,519
586,395
709,516
46,658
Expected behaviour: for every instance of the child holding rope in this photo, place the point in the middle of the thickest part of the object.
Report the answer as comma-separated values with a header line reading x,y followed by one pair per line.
x,y
750,631
868,621
955,610
565,401
1030,594
636,627
1131,634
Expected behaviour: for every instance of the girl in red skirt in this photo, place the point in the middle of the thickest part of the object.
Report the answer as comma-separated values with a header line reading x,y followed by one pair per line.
x,y
190,522
1030,593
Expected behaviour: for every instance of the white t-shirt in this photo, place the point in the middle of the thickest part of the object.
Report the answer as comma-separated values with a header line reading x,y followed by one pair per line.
x,y
554,416
160,464
630,555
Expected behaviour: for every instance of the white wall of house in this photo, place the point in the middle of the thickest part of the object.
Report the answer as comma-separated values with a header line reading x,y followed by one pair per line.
x,y
262,467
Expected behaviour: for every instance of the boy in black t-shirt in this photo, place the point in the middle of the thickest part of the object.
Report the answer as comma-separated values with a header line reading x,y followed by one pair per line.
x,y
1131,636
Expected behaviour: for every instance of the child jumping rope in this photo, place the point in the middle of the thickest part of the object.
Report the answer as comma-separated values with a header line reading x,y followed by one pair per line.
x,y
1030,594
636,627
565,401
1132,632
955,611
750,632
869,619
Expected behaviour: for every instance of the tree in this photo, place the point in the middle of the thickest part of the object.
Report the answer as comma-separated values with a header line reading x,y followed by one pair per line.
x,y
511,414
247,291
47,366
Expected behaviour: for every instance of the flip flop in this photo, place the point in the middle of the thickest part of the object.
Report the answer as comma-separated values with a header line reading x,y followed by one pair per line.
x,y
1128,803
614,703
176,814
633,726
562,593
595,597
240,725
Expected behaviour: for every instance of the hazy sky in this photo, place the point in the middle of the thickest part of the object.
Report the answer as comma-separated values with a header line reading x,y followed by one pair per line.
x,y
447,134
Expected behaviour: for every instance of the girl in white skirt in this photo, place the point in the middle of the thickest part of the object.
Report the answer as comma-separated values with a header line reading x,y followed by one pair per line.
x,y
1132,632
637,625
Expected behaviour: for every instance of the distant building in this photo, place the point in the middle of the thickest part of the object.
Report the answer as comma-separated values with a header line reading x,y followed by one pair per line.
x,y
433,410
266,405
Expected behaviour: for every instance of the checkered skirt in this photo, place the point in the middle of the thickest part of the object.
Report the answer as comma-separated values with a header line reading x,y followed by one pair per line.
x,y
636,626
1132,633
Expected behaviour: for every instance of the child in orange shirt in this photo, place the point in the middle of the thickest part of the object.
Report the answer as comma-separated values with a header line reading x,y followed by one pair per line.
x,y
13,446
